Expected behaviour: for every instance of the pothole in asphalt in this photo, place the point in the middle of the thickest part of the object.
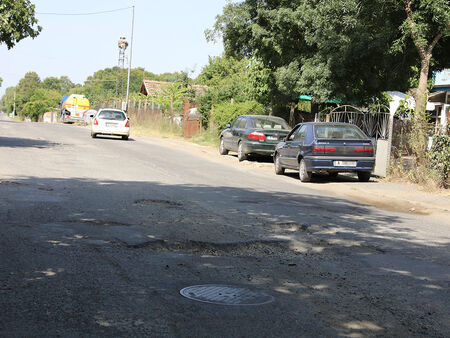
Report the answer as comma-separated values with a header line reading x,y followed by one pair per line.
x,y
226,295
99,222
249,202
292,226
11,183
247,248
158,202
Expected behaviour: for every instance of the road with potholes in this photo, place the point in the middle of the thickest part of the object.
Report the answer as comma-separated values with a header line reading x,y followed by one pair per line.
x,y
98,237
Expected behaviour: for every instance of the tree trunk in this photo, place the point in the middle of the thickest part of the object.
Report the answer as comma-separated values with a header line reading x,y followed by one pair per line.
x,y
421,94
271,107
291,114
420,119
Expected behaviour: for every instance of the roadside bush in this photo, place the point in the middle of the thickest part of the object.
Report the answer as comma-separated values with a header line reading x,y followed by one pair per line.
x,y
226,112
439,157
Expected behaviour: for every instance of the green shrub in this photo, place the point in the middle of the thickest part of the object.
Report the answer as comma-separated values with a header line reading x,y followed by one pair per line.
x,y
226,112
439,156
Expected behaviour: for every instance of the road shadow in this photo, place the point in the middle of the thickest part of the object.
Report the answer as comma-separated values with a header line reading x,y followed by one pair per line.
x,y
15,142
122,250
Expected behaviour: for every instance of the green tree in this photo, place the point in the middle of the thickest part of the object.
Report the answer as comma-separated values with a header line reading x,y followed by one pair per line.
x,y
25,90
347,49
42,101
427,24
62,84
17,21
170,97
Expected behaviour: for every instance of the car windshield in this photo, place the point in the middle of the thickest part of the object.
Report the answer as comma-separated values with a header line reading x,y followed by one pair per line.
x,y
342,132
269,123
111,115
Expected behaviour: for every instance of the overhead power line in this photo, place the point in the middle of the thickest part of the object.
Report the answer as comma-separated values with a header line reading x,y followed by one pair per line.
x,y
90,13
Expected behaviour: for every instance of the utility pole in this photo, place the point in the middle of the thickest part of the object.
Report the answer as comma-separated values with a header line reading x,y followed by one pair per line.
x,y
14,104
129,64
122,44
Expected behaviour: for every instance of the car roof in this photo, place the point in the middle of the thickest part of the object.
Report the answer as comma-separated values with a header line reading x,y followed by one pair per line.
x,y
326,123
111,109
262,116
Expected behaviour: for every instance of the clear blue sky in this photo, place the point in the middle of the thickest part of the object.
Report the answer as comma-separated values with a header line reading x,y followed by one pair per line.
x,y
168,36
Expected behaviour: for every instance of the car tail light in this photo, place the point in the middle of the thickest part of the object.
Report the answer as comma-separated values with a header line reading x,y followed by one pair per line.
x,y
127,125
324,149
364,150
95,122
257,135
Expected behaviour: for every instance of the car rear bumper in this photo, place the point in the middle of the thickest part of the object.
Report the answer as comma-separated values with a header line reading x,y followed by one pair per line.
x,y
259,148
328,163
67,118
111,131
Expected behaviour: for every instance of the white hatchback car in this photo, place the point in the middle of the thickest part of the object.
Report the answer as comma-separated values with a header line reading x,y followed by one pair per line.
x,y
109,121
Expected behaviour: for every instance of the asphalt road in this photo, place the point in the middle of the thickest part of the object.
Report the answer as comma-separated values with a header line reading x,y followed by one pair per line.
x,y
98,237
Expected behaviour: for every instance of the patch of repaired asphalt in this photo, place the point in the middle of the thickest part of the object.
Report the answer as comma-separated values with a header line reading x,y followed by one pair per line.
x,y
158,202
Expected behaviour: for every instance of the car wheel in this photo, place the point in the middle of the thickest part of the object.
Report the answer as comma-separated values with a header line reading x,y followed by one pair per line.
x,y
124,137
222,149
304,175
93,135
279,170
241,154
364,176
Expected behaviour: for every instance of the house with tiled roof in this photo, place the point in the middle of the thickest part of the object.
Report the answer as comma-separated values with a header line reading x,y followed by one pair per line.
x,y
149,87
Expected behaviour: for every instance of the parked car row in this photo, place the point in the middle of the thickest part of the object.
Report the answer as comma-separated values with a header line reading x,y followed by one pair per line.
x,y
324,147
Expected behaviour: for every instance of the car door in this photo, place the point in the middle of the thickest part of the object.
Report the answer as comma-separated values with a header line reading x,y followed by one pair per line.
x,y
283,151
239,131
295,146
230,135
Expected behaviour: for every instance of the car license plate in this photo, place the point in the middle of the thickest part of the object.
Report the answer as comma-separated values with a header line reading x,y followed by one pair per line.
x,y
272,138
76,114
344,163
111,125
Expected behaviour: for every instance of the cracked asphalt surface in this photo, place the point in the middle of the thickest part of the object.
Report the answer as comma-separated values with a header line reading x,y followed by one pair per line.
x,y
98,236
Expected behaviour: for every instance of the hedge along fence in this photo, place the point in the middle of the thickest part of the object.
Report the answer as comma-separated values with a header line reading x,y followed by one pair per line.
x,y
439,157
227,112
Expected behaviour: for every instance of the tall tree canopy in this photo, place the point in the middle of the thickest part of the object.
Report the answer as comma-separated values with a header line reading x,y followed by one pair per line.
x,y
351,49
17,21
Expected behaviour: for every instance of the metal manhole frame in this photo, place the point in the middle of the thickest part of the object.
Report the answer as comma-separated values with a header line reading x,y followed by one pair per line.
x,y
271,299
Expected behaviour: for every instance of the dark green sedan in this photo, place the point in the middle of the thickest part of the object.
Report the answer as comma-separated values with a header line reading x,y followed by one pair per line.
x,y
253,134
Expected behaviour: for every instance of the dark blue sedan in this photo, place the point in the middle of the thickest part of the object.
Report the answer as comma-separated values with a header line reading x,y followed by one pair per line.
x,y
325,147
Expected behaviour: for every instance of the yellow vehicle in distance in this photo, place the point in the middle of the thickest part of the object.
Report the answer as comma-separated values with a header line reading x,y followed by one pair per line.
x,y
73,108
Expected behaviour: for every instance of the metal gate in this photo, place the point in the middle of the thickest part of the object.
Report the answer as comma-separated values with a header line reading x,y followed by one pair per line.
x,y
374,124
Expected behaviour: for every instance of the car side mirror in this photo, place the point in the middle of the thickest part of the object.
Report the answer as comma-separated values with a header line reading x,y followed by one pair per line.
x,y
228,125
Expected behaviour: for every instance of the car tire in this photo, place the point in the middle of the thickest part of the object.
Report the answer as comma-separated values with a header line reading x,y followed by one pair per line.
x,y
222,149
125,137
93,135
241,154
364,176
279,170
304,175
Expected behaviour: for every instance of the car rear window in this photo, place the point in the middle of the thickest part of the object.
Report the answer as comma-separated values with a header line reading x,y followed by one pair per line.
x,y
342,132
111,115
269,123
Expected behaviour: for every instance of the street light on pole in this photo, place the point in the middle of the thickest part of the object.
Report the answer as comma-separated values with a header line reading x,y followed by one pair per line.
x,y
129,61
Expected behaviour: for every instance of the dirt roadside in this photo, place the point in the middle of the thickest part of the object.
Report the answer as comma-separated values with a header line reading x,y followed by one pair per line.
x,y
389,196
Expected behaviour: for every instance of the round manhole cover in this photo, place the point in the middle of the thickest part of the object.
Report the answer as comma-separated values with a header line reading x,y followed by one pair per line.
x,y
225,295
